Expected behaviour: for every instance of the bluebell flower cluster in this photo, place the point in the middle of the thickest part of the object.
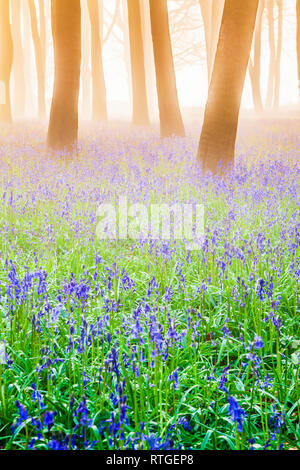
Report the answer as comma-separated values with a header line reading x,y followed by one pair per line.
x,y
110,344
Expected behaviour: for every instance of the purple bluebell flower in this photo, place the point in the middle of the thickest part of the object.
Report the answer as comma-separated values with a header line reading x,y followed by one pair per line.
x,y
236,413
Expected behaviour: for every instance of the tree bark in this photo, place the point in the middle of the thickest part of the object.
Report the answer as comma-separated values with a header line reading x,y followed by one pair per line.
x,y
18,73
39,59
31,104
99,88
212,16
66,31
6,60
140,114
272,64
171,122
149,59
217,141
85,66
278,54
206,12
127,49
43,36
255,67
298,44
101,22
43,29
216,18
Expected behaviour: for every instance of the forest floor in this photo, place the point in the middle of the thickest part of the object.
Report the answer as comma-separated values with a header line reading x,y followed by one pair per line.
x,y
142,343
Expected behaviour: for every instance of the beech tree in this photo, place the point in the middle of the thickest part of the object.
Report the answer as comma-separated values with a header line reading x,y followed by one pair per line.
x,y
275,47
298,43
212,15
66,32
18,72
30,100
140,114
149,58
255,65
278,54
217,141
40,57
272,48
99,103
6,60
85,64
171,122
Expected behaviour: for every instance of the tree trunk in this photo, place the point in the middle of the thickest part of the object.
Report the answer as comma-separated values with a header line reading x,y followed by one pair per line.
x,y
39,59
216,18
272,64
298,44
66,31
127,49
43,29
31,105
149,59
18,73
43,36
212,16
140,115
99,89
206,12
101,22
219,129
169,112
85,66
255,67
6,60
278,54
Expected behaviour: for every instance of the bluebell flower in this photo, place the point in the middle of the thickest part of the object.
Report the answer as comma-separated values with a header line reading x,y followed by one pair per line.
x,y
49,419
23,414
261,290
237,413
173,377
36,396
258,342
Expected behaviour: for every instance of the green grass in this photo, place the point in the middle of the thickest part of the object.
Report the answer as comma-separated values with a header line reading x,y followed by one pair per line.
x,y
132,341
